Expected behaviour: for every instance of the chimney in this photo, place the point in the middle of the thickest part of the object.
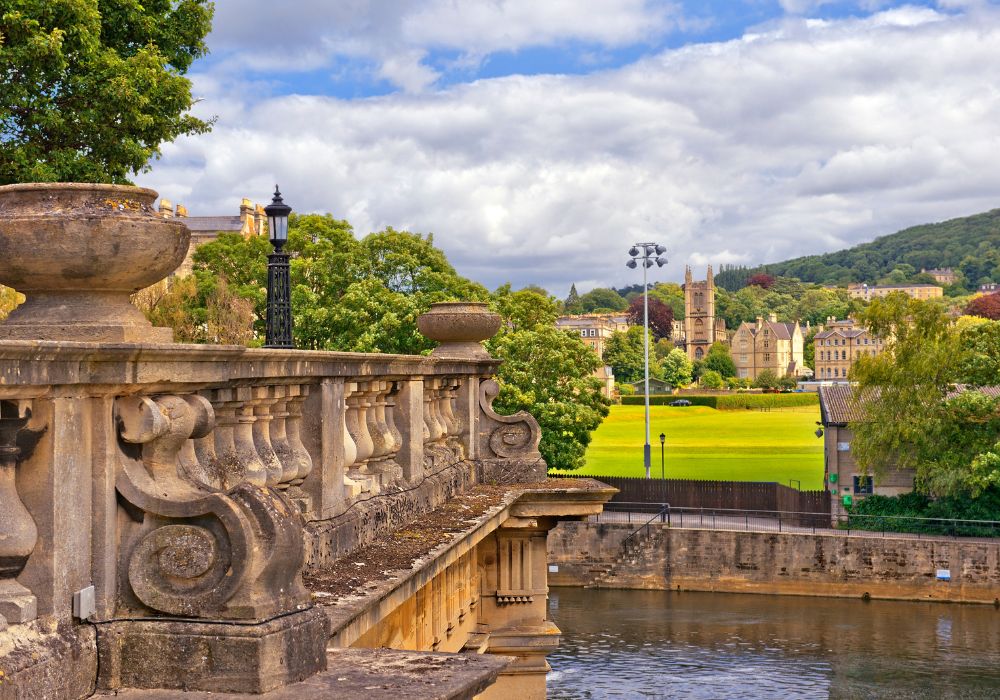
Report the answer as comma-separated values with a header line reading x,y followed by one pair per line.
x,y
760,322
259,217
181,212
166,208
773,318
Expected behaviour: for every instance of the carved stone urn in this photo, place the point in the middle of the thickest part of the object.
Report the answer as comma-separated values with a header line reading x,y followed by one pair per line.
x,y
77,252
460,327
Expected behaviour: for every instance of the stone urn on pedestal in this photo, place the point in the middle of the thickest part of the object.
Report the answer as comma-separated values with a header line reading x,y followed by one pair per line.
x,y
78,252
460,327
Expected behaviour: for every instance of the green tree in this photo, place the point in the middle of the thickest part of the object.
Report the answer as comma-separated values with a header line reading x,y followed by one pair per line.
x,y
524,309
710,379
766,379
602,299
981,354
719,359
572,304
623,353
550,374
91,88
677,368
905,415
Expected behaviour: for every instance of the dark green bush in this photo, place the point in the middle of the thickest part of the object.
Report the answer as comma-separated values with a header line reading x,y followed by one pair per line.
x,y
732,402
905,513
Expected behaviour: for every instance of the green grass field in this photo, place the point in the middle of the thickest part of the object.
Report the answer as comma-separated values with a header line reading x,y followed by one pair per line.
x,y
704,443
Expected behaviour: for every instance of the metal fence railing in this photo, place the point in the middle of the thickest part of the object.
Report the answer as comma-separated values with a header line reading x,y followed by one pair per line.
x,y
789,521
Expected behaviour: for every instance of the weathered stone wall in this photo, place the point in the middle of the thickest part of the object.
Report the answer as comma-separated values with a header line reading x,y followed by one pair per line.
x,y
590,554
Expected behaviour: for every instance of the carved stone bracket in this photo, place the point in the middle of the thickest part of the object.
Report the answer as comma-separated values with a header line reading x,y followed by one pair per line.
x,y
506,436
195,551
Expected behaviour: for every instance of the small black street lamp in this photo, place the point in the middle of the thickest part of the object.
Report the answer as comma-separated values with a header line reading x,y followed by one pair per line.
x,y
663,445
279,285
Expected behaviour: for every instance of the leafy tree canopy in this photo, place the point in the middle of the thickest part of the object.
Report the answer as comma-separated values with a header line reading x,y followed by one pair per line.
x,y
601,299
91,88
906,417
661,316
365,296
677,368
720,360
985,306
624,354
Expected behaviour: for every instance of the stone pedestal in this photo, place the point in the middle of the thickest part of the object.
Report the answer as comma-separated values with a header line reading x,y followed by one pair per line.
x,y
220,657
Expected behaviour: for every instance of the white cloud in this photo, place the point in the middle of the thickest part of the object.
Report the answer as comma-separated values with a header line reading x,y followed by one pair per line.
x,y
396,35
801,139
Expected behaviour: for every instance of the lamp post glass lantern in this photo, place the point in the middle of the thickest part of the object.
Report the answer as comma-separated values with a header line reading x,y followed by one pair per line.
x,y
663,447
646,254
279,286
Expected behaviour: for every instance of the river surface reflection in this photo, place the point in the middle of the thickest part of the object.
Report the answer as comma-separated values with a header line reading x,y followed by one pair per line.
x,y
662,644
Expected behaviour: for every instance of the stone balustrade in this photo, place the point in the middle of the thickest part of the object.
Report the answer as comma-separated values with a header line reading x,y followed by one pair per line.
x,y
159,502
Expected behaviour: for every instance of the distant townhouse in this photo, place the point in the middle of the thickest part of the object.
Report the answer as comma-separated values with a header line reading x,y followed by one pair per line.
x,y
838,345
594,330
989,287
768,344
915,291
204,229
943,275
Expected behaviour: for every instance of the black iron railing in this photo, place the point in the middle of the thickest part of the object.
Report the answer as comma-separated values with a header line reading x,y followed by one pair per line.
x,y
647,514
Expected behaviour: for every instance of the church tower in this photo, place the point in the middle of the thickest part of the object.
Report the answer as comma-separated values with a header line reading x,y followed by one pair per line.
x,y
699,314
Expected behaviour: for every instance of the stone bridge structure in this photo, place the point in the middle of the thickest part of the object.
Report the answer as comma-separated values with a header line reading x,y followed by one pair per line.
x,y
225,519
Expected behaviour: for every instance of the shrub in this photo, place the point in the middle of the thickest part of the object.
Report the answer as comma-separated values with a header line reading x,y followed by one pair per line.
x,y
710,379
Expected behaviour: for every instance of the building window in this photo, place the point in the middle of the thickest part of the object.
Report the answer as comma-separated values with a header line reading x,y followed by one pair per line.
x,y
767,357
743,357
583,333
593,332
863,485
766,344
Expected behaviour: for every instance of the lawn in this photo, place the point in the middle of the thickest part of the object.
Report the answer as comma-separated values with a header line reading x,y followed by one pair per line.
x,y
704,443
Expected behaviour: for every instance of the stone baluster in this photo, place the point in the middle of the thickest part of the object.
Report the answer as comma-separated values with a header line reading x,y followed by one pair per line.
x,y
297,395
18,533
279,435
236,456
449,397
391,399
261,404
357,425
387,444
209,469
352,487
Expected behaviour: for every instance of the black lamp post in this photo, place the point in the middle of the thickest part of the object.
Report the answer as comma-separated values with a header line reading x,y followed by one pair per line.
x,y
646,254
663,446
279,285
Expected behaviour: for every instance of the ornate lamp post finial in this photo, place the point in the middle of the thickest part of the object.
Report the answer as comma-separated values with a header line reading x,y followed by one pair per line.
x,y
279,286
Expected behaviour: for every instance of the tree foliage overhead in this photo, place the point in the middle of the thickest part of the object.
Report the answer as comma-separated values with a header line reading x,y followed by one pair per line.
x,y
623,352
91,88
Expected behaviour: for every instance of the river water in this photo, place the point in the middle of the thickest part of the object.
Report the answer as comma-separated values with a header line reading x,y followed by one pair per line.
x,y
662,644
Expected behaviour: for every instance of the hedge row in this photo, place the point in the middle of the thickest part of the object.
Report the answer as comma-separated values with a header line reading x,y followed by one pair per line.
x,y
908,512
730,402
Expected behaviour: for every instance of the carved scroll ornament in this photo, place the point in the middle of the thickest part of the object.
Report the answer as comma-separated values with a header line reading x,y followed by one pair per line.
x,y
513,437
199,552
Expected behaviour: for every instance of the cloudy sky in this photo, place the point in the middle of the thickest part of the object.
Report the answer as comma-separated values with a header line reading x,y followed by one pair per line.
x,y
538,139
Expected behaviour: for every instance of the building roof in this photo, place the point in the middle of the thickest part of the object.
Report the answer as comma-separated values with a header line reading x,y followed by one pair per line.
x,y
992,391
835,400
781,331
214,223
845,332
892,286
835,404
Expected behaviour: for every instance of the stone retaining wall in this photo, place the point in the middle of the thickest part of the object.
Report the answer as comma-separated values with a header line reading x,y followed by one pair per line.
x,y
590,554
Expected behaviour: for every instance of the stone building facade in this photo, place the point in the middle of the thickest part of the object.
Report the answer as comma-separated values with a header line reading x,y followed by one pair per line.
x,y
915,291
701,326
838,345
594,330
768,345
204,229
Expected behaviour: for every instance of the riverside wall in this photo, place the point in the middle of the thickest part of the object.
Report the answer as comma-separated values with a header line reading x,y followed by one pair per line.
x,y
829,564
